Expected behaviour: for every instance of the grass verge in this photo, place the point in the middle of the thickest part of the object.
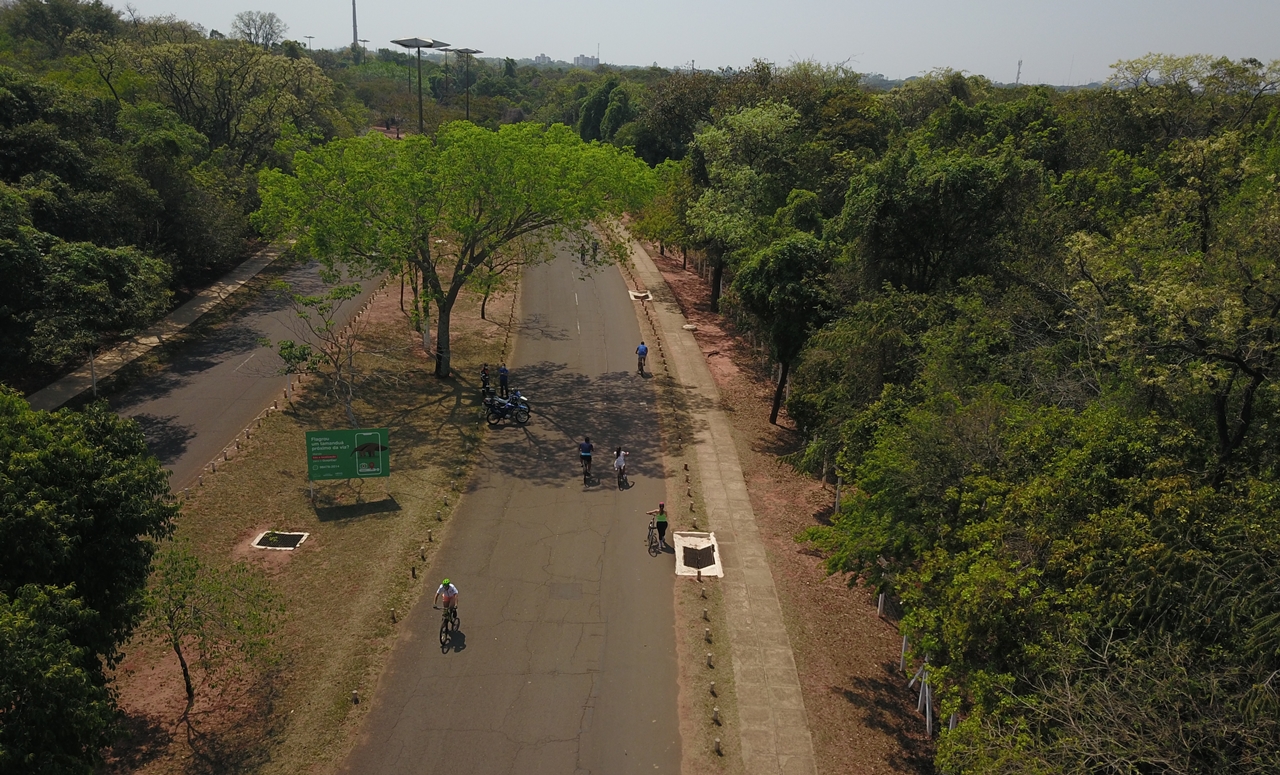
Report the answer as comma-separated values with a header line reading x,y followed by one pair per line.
x,y
699,606
370,551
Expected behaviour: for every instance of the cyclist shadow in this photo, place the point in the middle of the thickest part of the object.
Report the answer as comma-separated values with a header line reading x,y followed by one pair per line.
x,y
457,642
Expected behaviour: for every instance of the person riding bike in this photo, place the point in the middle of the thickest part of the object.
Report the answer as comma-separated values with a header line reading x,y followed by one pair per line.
x,y
449,593
584,455
641,352
620,465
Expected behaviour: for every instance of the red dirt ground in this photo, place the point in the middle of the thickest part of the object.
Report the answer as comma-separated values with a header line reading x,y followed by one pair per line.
x,y
861,714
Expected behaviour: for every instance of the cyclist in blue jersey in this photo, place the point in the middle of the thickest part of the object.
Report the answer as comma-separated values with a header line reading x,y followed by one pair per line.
x,y
641,352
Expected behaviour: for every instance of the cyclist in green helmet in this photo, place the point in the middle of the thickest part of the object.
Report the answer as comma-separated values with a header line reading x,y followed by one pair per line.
x,y
449,593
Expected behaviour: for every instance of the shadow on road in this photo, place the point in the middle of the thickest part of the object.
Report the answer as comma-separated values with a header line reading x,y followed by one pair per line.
x,y
457,642
166,437
613,409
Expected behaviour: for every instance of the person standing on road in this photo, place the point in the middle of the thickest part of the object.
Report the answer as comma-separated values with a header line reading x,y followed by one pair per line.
x,y
641,353
660,520
503,374
584,456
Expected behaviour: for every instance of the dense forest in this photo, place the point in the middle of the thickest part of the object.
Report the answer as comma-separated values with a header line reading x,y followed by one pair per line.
x,y
1032,331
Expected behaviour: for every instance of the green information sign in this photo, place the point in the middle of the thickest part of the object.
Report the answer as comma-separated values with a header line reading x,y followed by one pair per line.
x,y
348,454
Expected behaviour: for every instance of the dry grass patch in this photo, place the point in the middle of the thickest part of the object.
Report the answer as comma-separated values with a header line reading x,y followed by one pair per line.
x,y
367,539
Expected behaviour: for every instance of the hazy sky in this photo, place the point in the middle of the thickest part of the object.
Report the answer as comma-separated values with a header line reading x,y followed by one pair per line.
x,y
1058,42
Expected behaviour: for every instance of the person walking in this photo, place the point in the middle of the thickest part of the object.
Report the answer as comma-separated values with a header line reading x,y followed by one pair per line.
x,y
660,519
503,376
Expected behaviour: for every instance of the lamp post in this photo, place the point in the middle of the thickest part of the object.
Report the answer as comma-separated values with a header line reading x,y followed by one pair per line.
x,y
467,78
362,41
309,38
419,44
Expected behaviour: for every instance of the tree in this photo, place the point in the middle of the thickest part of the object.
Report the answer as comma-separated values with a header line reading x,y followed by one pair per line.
x,y
335,347
51,22
91,293
783,286
746,166
445,206
81,503
259,28
81,495
243,97
58,712
221,620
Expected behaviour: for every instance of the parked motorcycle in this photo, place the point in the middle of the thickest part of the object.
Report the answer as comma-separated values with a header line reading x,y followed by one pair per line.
x,y
500,409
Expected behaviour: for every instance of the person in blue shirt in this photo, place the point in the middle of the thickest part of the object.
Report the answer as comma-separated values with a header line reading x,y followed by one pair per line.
x,y
641,352
502,379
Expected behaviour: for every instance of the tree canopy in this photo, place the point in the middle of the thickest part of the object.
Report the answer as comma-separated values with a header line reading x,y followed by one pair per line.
x,y
444,206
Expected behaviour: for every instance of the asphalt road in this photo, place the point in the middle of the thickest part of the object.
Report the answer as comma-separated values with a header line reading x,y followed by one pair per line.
x,y
212,390
565,662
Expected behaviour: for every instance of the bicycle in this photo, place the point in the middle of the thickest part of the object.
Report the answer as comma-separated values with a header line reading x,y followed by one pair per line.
x,y
622,477
654,546
640,365
448,623
586,468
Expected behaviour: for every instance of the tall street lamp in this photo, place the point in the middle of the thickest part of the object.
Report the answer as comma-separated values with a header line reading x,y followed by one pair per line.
x,y
467,78
419,44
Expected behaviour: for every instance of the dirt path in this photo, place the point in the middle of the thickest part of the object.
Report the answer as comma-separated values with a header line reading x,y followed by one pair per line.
x,y
862,716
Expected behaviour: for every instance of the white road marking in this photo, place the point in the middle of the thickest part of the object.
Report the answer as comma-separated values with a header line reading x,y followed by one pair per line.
x,y
246,360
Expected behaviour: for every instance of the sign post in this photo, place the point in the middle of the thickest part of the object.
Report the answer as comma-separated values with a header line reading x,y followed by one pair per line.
x,y
363,453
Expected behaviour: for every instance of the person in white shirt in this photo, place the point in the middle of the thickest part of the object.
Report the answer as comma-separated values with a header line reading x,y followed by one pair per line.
x,y
620,465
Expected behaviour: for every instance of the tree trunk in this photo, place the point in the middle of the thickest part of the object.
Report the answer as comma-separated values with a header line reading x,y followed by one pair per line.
x,y
684,259
484,302
186,676
717,277
777,394
444,307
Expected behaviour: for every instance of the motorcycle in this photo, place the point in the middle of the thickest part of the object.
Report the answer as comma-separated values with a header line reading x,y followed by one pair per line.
x,y
499,409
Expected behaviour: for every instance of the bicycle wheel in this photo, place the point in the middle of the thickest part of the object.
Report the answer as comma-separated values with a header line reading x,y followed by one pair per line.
x,y
654,549
494,418
522,415
444,632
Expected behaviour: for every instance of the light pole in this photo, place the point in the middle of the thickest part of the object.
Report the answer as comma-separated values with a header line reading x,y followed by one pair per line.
x,y
308,37
363,50
467,78
419,44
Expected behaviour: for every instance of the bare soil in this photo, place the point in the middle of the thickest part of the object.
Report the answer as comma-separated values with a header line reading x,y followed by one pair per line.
x,y
861,714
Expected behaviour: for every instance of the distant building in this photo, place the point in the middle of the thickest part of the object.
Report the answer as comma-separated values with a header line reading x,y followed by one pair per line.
x,y
542,59
586,62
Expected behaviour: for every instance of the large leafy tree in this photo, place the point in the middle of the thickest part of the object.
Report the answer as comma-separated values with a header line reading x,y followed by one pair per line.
x,y
783,286
745,166
81,503
57,711
445,206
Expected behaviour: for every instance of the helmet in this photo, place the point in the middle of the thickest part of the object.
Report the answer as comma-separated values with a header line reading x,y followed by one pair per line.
x,y
444,583
662,504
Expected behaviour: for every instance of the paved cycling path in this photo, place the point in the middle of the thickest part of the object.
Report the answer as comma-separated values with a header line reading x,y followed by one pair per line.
x,y
108,363
774,729
566,660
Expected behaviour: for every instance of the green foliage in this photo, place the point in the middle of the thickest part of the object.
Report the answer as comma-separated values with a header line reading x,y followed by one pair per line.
x,y
1051,393
222,621
57,711
374,202
81,502
81,494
